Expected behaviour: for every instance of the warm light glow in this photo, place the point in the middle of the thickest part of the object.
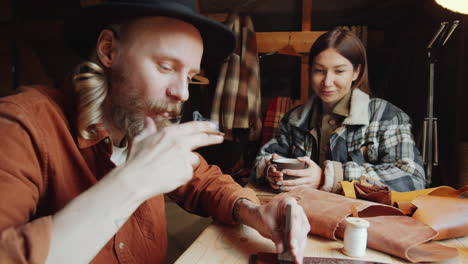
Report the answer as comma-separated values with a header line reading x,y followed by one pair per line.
x,y
460,6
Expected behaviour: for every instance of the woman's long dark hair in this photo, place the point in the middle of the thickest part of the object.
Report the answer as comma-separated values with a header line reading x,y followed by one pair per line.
x,y
350,47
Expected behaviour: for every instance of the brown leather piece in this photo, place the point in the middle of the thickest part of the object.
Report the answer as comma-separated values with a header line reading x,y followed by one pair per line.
x,y
407,207
446,215
272,258
390,230
448,191
326,211
432,252
373,193
463,195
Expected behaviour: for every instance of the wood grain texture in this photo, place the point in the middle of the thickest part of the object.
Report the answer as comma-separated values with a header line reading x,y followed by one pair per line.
x,y
306,17
234,244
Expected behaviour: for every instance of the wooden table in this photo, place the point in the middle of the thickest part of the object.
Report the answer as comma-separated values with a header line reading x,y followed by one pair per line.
x,y
224,244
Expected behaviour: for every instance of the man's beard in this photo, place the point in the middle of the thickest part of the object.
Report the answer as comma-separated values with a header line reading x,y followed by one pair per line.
x,y
130,117
128,110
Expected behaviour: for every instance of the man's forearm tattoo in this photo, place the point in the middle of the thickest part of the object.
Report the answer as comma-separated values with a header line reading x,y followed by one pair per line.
x,y
236,210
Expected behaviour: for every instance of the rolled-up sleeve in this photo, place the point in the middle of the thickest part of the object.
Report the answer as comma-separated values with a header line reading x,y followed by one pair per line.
x,y
28,243
210,192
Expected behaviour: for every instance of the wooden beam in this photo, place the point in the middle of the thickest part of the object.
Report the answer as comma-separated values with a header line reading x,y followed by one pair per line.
x,y
31,30
86,3
306,44
306,15
6,10
304,78
300,41
273,41
220,17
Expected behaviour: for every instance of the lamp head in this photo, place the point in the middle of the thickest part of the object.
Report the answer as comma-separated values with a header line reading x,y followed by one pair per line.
x,y
458,6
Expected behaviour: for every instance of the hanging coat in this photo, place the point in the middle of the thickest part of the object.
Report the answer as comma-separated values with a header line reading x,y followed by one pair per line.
x,y
237,99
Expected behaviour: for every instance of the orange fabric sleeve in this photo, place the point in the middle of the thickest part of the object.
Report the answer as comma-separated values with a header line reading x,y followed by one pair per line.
x,y
21,184
28,243
210,192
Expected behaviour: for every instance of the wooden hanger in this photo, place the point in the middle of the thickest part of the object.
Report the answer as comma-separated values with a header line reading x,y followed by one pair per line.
x,y
288,49
198,79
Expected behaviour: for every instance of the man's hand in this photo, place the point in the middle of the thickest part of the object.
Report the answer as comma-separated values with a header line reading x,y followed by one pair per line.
x,y
312,176
160,160
269,221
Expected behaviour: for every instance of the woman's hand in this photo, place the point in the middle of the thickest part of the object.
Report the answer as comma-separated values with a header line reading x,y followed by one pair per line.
x,y
273,175
312,176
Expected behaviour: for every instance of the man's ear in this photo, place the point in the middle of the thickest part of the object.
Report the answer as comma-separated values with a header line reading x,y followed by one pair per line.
x,y
106,47
356,72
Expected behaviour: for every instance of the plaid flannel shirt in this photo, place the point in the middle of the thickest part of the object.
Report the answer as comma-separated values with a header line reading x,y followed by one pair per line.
x,y
374,141
237,99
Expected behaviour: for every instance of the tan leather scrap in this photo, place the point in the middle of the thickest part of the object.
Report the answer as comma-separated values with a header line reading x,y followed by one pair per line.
x,y
350,189
390,230
446,215
443,208
326,211
442,191
407,207
373,193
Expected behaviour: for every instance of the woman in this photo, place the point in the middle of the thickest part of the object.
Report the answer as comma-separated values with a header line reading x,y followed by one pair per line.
x,y
340,133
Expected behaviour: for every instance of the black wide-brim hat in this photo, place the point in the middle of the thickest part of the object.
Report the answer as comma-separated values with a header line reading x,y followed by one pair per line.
x,y
82,28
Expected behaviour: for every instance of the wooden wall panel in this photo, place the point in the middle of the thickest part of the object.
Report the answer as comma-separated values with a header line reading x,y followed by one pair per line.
x,y
35,29
463,168
306,17
85,3
463,79
304,80
273,41
32,70
6,10
43,55
6,65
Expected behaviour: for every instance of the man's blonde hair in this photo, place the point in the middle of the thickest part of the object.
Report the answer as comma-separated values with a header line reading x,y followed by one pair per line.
x,y
91,87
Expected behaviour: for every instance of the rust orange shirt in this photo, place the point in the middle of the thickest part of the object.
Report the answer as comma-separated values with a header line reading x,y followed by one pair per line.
x,y
44,165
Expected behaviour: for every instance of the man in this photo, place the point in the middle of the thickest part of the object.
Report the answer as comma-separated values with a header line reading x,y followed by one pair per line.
x,y
83,172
